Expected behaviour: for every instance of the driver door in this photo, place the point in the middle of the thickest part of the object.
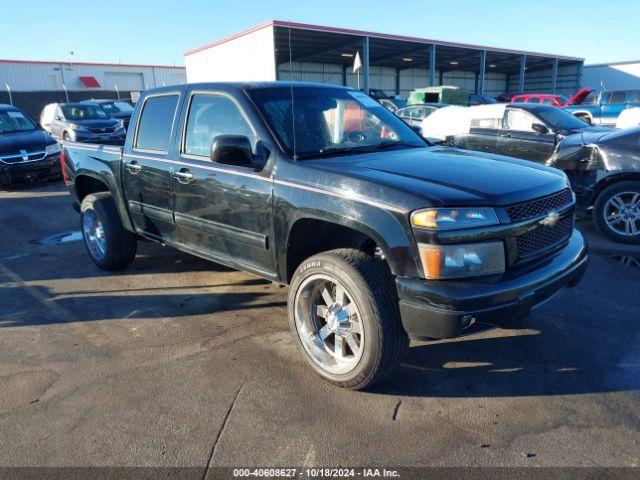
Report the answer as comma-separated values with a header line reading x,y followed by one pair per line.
x,y
518,139
221,211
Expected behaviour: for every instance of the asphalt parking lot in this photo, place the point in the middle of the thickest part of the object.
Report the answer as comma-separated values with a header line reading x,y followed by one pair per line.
x,y
180,362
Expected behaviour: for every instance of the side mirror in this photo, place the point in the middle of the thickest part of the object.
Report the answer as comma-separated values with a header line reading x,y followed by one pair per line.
x,y
540,128
231,150
417,129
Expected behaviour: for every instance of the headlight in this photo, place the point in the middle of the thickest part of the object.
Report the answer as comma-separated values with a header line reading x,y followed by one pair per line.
x,y
53,149
465,260
453,218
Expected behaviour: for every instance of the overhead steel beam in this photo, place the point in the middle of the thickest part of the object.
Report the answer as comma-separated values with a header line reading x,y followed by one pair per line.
x,y
432,65
483,65
365,63
523,66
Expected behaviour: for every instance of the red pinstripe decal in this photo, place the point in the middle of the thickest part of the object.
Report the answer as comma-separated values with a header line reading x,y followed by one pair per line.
x,y
285,183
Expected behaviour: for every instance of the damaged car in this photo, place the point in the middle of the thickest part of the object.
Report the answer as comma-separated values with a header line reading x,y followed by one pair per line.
x,y
604,170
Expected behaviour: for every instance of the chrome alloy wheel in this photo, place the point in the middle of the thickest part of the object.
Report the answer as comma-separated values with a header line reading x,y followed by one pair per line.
x,y
93,233
329,324
622,213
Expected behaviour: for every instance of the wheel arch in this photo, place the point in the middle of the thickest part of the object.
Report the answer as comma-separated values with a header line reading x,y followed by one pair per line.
x,y
611,180
314,232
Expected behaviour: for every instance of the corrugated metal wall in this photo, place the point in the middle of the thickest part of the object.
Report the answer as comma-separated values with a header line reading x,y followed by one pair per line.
x,y
27,76
384,78
539,81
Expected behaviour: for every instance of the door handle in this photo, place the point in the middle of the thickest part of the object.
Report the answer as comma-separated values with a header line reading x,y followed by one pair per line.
x,y
507,135
184,175
134,167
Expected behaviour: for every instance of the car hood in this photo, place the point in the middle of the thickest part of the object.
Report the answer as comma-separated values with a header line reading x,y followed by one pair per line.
x,y
120,115
29,141
449,176
589,130
96,123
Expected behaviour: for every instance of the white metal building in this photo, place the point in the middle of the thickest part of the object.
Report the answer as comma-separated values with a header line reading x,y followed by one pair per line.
x,y
29,76
612,76
279,50
30,85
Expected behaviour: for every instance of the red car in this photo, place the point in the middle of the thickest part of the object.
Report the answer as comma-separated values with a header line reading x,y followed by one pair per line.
x,y
551,99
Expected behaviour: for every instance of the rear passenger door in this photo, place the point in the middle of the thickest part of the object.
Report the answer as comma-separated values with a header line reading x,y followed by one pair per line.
x,y
146,172
222,211
615,103
482,135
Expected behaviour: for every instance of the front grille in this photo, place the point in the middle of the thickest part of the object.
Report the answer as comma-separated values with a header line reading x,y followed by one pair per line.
x,y
18,158
102,130
544,238
539,206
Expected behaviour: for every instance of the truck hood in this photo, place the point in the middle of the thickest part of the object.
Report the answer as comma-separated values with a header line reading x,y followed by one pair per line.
x,y
449,176
30,141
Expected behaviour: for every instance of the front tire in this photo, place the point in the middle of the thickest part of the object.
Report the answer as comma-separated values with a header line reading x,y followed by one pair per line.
x,y
343,312
616,212
109,245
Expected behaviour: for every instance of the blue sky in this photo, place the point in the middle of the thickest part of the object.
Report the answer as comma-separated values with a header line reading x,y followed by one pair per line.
x,y
158,32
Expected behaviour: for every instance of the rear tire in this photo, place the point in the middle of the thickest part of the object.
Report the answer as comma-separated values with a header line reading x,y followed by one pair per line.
x,y
343,312
616,212
66,137
109,245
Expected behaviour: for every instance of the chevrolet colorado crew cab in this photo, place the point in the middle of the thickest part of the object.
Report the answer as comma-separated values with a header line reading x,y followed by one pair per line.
x,y
380,236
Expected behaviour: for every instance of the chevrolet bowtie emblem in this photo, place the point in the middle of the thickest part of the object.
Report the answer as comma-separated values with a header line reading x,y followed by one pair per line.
x,y
551,219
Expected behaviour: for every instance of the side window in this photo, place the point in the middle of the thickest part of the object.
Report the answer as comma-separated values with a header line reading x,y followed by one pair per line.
x,y
210,116
533,100
549,101
519,120
479,122
156,122
617,97
633,96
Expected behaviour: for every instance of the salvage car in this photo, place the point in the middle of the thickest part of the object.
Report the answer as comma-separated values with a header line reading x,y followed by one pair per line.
x,y
27,153
522,130
546,98
604,169
379,235
606,106
82,122
118,109
414,114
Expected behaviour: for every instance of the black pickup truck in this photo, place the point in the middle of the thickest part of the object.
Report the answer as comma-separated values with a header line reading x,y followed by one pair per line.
x,y
380,236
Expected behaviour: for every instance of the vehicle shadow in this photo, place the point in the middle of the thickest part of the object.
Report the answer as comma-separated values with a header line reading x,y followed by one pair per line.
x,y
29,306
586,340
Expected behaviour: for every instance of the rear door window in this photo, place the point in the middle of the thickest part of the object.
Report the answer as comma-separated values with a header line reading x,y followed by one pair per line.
x,y
617,97
156,123
633,96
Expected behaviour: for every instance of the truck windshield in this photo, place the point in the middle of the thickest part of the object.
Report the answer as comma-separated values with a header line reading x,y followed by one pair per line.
x,y
331,121
560,119
84,112
12,121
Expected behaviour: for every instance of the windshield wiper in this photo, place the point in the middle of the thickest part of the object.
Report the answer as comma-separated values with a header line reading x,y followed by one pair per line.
x,y
328,152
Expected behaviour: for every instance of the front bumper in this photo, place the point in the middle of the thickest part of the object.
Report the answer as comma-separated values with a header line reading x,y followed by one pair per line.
x,y
442,309
103,138
27,172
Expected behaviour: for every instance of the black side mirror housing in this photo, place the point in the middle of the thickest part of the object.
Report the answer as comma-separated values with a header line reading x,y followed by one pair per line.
x,y
231,150
417,129
540,128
